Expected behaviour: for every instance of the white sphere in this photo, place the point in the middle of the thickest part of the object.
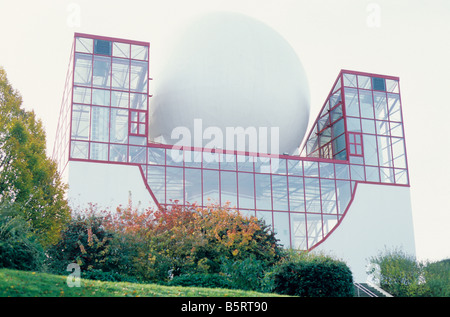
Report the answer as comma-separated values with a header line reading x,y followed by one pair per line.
x,y
230,70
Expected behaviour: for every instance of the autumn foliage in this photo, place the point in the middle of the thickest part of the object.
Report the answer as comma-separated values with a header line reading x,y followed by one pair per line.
x,y
159,244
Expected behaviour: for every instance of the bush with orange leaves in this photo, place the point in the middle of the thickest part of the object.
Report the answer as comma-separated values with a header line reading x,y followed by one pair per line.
x,y
191,239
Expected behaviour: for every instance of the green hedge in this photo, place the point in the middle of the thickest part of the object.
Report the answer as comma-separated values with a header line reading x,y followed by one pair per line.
x,y
312,276
201,280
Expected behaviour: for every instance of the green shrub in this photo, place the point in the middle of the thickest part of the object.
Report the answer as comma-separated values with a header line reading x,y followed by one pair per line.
x,y
313,276
19,247
437,279
214,280
246,274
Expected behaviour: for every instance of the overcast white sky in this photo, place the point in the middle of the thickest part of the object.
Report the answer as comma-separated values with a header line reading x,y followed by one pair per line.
x,y
409,39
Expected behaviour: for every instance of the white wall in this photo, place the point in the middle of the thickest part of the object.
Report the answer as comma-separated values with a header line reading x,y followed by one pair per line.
x,y
107,185
380,217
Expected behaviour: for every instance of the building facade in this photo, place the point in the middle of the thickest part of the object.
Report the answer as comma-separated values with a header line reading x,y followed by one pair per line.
x,y
346,193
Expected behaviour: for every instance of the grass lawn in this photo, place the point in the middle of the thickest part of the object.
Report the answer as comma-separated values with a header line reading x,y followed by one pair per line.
x,y
15,283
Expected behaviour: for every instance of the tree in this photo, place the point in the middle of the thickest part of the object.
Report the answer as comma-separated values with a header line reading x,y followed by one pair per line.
x,y
29,180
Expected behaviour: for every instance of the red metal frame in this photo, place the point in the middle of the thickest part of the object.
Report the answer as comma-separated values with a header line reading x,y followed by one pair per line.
x,y
334,181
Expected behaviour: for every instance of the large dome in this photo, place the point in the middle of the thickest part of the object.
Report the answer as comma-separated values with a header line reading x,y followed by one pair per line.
x,y
231,71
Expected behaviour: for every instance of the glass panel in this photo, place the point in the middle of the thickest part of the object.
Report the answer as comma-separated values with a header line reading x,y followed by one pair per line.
x,y
378,84
380,102
139,52
156,180
349,80
263,191
364,82
102,47
99,151
102,72
335,99
370,149
387,175
336,113
119,126
396,129
100,124
83,70
246,191
298,231
79,150
328,196
329,222
398,150
266,216
295,167
156,156
83,45
366,104
372,174
81,95
174,185
137,154
394,107
139,77
357,172
228,188
314,223
281,227
210,187
384,151
279,192
401,176
138,101
80,122
353,124
137,140
344,195
382,127
210,159
342,171
193,183
228,162
121,50
296,194
311,168
351,102
368,126
392,85
338,128
174,157
118,153
312,195
326,170
119,99
101,97
339,144
120,74
245,163
193,158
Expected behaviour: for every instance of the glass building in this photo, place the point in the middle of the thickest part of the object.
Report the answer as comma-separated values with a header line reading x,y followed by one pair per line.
x,y
357,138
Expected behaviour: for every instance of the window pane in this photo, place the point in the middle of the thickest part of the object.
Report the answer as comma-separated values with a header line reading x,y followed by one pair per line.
x,y
138,101
281,227
263,191
102,47
139,52
139,77
392,85
137,154
372,174
378,84
246,191
364,82
339,144
384,151
342,171
380,102
311,169
120,74
81,95
344,195
312,195
228,188
326,170
398,150
101,97
387,175
210,187
193,186
351,102
156,156
119,99
100,124
295,167
80,122
156,180
357,172
279,192
394,107
99,151
328,196
382,127
314,223
370,149
366,104
83,70
298,231
102,72
368,126
79,150
296,194
349,80
174,185
121,50
83,45
118,153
